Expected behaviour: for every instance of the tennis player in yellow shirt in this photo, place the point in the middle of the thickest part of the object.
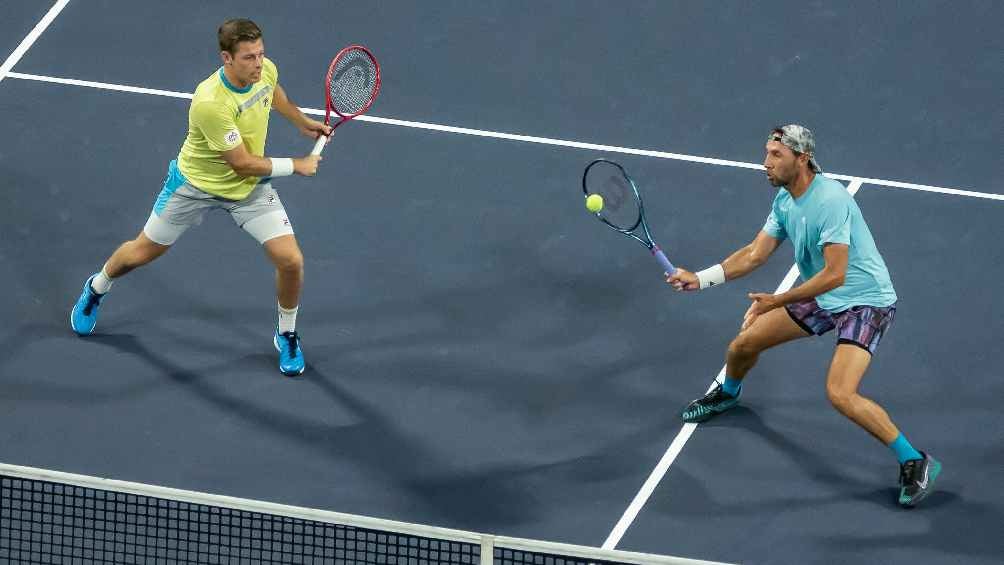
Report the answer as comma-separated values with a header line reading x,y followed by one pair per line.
x,y
222,165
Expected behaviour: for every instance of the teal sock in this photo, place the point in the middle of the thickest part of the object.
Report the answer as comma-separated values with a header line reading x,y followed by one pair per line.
x,y
732,386
904,451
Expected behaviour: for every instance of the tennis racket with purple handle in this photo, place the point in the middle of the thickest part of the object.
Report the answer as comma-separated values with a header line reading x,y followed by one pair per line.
x,y
623,210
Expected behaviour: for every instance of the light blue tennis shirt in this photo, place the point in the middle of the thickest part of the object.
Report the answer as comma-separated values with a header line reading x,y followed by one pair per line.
x,y
827,213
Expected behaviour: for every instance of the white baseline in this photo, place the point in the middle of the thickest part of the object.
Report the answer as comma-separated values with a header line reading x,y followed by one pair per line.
x,y
530,138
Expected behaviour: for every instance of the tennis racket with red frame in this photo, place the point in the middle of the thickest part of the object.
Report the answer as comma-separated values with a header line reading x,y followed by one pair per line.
x,y
351,86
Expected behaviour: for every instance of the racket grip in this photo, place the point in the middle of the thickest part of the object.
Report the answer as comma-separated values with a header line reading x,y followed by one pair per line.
x,y
661,257
322,140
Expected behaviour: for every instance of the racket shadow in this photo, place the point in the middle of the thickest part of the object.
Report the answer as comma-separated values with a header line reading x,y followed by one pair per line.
x,y
451,494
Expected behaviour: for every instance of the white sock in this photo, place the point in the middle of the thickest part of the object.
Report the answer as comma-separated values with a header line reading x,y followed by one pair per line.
x,y
287,319
101,283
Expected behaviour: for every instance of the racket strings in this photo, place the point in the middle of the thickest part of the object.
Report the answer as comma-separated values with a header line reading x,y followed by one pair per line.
x,y
620,206
353,82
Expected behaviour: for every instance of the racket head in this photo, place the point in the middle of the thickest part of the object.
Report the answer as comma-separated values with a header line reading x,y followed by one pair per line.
x,y
622,207
352,82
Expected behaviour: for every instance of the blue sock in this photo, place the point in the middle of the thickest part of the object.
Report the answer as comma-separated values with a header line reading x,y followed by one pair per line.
x,y
904,451
732,386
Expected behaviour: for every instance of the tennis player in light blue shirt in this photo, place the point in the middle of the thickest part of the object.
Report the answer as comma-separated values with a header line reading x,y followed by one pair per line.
x,y
845,286
834,217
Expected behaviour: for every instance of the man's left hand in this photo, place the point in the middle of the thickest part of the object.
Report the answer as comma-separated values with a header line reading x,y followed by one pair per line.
x,y
314,128
762,303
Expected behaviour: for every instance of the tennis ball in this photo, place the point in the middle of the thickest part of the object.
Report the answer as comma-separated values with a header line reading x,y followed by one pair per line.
x,y
594,203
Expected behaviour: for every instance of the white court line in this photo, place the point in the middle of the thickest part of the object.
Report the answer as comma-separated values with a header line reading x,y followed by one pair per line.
x,y
31,38
688,429
103,85
530,138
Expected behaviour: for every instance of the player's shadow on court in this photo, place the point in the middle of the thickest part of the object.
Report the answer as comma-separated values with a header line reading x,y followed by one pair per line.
x,y
482,498
41,391
962,525
498,494
201,384
470,498
819,468
955,526
463,497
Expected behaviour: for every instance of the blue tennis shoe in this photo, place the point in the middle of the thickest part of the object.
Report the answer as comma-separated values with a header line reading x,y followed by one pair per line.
x,y
916,479
84,315
711,404
291,361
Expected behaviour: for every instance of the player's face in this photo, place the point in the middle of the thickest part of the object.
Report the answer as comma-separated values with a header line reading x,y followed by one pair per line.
x,y
781,164
247,60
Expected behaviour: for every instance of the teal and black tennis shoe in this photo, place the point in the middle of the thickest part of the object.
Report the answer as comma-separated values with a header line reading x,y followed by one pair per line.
x,y
714,402
916,479
291,361
84,315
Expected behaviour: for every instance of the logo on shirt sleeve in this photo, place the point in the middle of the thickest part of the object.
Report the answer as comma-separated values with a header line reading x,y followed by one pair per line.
x,y
233,136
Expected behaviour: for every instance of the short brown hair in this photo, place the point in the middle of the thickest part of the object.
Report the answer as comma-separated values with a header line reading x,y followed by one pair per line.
x,y
234,31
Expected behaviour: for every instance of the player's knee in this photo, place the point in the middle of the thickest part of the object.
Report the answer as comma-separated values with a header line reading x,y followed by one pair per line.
x,y
743,346
841,398
290,261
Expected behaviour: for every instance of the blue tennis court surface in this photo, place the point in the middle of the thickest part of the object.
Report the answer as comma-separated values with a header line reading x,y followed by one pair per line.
x,y
482,355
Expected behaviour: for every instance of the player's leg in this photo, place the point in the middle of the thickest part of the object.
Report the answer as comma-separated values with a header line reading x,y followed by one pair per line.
x,y
173,213
128,256
848,367
768,330
284,253
860,330
133,254
263,216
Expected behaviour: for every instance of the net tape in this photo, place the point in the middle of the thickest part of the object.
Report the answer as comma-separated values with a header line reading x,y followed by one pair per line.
x,y
52,517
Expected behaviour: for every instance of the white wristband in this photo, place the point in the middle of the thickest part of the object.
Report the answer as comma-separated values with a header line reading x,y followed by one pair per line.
x,y
712,276
281,167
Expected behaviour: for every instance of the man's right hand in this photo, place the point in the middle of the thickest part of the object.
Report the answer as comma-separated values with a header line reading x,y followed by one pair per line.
x,y
682,279
306,166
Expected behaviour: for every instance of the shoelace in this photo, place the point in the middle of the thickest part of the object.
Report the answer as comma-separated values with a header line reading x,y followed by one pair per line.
x,y
716,396
293,341
93,299
906,474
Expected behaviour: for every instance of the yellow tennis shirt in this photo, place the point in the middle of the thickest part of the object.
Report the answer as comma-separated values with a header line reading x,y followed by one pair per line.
x,y
221,117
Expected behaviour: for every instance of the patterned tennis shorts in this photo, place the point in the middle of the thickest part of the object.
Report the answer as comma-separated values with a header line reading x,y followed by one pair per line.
x,y
862,326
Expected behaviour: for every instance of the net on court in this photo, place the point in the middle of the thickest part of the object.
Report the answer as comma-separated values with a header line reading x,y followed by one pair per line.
x,y
52,517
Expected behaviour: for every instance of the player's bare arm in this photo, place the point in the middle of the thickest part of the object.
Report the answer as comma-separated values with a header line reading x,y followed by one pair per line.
x,y
308,127
740,263
247,165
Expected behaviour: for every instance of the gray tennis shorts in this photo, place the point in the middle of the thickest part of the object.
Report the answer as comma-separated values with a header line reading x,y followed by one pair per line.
x,y
181,206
